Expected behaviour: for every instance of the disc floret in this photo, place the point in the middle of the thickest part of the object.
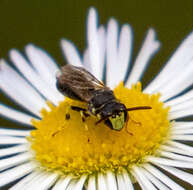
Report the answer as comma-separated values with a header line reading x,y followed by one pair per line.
x,y
65,145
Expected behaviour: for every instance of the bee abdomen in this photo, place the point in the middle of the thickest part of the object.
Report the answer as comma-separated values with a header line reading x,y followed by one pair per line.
x,y
66,91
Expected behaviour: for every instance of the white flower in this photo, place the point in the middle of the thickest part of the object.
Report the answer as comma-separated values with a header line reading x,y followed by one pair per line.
x,y
34,83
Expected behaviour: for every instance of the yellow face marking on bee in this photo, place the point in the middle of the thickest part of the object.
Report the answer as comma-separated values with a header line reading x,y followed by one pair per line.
x,y
117,121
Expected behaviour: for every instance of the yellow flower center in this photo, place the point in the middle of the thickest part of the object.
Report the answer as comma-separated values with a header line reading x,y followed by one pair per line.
x,y
70,146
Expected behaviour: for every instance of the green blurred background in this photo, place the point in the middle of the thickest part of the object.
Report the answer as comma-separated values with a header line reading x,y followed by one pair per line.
x,y
45,22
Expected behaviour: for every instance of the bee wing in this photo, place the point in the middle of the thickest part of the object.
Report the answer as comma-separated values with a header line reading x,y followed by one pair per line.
x,y
77,83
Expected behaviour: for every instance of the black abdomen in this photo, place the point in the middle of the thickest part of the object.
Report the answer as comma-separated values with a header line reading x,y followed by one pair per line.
x,y
66,91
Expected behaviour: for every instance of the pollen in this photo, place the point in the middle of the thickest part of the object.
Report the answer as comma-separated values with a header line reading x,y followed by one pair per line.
x,y
64,143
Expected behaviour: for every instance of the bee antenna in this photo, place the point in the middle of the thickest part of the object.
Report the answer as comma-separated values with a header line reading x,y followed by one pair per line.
x,y
102,119
138,108
127,109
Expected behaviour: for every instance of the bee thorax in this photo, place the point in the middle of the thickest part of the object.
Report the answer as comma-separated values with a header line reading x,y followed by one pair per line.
x,y
101,97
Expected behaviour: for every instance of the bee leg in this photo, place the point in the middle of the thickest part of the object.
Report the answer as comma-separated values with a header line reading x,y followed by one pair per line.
x,y
127,129
133,121
136,122
83,117
67,117
129,132
67,113
83,110
55,133
75,108
83,113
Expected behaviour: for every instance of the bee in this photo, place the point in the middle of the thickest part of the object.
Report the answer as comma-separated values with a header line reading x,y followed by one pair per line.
x,y
78,84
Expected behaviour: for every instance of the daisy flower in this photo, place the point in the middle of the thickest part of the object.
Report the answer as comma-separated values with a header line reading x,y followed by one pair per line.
x,y
58,152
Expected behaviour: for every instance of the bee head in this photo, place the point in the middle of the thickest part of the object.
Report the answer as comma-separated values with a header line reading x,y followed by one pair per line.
x,y
117,118
115,114
116,122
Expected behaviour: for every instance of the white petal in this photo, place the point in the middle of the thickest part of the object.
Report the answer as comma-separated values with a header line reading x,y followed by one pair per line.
x,y
181,146
181,106
45,67
162,177
5,140
12,83
92,183
13,150
24,67
93,44
32,184
155,181
176,150
71,53
22,183
181,113
48,181
15,173
175,156
149,48
176,86
14,132
80,183
86,61
141,178
43,182
179,100
120,182
127,180
50,63
36,57
111,181
182,137
102,182
118,53
182,131
72,185
112,54
102,48
183,125
62,183
174,66
168,162
124,50
179,173
15,160
15,115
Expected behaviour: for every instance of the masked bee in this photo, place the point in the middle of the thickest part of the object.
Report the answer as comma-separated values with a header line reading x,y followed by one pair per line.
x,y
77,83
